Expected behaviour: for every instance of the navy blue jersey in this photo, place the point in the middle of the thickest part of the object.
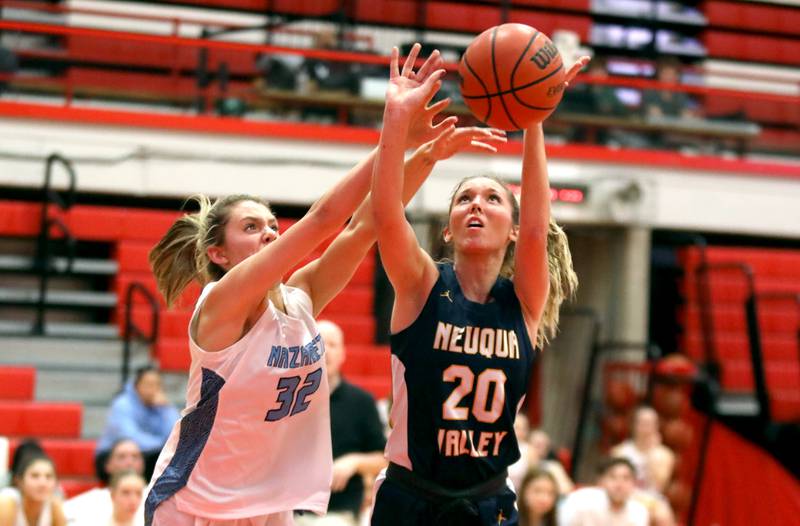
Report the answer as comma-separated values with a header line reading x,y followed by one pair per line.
x,y
459,375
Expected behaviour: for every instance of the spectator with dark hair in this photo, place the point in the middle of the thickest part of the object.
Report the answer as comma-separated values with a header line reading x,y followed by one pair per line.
x,y
538,495
127,490
609,504
123,457
32,501
666,102
143,414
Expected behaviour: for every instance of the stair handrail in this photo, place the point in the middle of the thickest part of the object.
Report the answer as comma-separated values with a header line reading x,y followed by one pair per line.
x,y
753,331
131,329
786,295
42,260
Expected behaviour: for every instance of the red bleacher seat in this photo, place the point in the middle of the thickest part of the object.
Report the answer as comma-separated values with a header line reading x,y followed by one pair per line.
x,y
758,17
378,386
367,360
45,419
17,383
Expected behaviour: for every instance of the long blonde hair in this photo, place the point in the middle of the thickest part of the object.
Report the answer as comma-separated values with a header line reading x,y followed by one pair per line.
x,y
181,255
563,280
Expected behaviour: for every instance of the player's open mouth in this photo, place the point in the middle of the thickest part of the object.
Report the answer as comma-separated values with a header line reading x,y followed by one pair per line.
x,y
474,223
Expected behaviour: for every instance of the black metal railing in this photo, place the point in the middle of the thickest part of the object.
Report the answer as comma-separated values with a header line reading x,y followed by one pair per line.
x,y
44,249
651,352
132,331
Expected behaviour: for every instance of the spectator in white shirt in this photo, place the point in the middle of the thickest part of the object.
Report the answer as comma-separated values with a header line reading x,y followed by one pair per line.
x,y
610,504
85,508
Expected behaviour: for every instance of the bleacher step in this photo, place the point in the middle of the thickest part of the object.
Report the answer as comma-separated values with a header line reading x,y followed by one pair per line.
x,y
65,298
60,352
96,267
94,331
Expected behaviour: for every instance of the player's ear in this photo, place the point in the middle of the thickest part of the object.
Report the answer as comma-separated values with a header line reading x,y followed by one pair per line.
x,y
514,234
447,235
218,256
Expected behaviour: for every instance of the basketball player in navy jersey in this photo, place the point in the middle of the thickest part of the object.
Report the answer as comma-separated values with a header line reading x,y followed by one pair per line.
x,y
463,334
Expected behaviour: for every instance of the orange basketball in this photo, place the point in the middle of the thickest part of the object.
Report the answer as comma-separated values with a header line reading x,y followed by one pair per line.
x,y
512,76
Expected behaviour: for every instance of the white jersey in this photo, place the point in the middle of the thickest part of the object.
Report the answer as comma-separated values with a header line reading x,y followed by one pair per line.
x,y
254,438
45,518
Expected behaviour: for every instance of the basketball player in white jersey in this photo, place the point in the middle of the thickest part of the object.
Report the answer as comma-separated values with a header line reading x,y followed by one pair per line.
x,y
253,443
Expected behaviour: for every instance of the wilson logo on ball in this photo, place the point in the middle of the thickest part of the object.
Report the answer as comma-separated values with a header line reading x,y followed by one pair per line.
x,y
545,55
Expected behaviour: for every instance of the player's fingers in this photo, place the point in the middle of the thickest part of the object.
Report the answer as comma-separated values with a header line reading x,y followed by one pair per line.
x,y
433,83
408,66
449,121
483,146
439,106
430,65
575,69
393,65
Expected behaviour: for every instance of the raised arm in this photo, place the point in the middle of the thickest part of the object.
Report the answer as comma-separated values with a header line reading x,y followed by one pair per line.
x,y
531,276
244,287
409,268
325,277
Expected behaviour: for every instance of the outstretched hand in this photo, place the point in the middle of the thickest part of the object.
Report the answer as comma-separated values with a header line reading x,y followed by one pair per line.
x,y
467,139
575,69
410,91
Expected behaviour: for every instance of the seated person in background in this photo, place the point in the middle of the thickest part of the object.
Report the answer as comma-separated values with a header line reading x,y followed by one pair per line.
x,y
356,434
666,103
127,489
278,71
538,495
653,461
8,66
32,501
534,449
24,449
141,413
124,457
609,504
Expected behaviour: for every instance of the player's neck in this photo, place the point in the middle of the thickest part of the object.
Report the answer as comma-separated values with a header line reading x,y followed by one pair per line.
x,y
477,274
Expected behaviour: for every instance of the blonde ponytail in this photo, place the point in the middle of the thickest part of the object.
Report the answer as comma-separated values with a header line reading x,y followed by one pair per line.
x,y
563,282
181,257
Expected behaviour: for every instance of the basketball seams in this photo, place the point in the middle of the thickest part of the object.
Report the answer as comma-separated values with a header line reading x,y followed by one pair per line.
x,y
545,108
485,88
497,81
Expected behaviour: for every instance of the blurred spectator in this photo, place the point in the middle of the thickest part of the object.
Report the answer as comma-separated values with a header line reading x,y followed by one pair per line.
x,y
664,102
8,66
537,497
330,76
4,450
143,414
535,453
127,490
653,461
278,71
124,457
32,501
520,468
610,504
356,433
26,448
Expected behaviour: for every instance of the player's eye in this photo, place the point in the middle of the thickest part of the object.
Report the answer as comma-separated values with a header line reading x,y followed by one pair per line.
x,y
250,227
464,198
495,198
